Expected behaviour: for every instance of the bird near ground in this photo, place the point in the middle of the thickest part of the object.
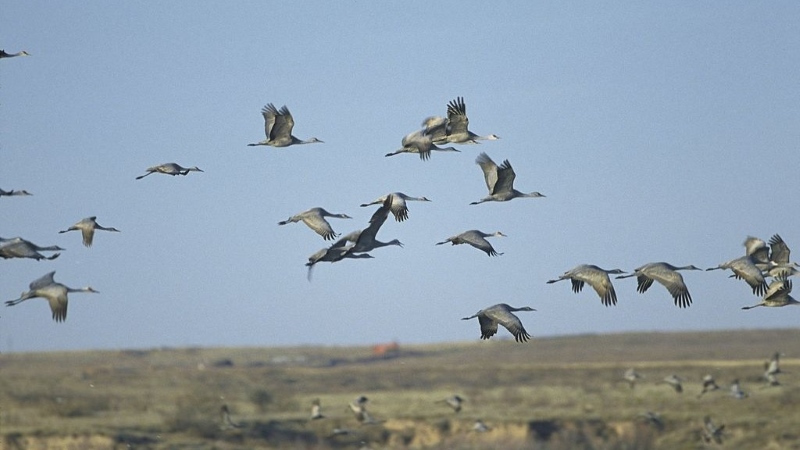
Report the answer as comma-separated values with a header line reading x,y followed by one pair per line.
x,y
480,427
501,314
475,238
711,432
745,268
708,385
773,366
316,410
87,227
22,248
597,279
736,390
225,416
278,127
667,275
55,293
631,376
454,401
454,129
652,418
674,381
500,181
314,218
421,143
397,202
776,295
4,54
13,193
169,169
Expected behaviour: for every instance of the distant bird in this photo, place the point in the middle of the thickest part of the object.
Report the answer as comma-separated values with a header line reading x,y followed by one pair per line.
x,y
22,248
480,427
675,381
652,418
745,268
398,204
773,366
225,415
316,410
499,180
421,143
341,432
772,380
315,219
708,385
776,295
87,227
454,129
55,293
359,409
454,401
3,54
169,169
13,193
475,238
597,279
278,127
501,314
711,432
667,275
736,390
631,376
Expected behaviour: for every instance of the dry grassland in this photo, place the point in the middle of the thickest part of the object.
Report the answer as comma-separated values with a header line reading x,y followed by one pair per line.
x,y
550,394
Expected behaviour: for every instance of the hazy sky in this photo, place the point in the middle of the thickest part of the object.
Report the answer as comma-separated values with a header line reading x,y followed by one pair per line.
x,y
658,132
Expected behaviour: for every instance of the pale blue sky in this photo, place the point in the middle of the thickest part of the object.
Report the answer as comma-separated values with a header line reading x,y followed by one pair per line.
x,y
659,132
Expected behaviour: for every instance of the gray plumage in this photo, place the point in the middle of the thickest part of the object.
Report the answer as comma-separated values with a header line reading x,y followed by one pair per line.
x,y
316,410
13,193
675,382
454,401
745,268
501,314
454,129
709,384
499,181
314,218
336,252
366,240
631,376
597,279
667,275
712,432
475,238
87,228
225,417
736,391
278,127
169,169
4,54
22,248
776,295
55,293
773,366
421,143
397,201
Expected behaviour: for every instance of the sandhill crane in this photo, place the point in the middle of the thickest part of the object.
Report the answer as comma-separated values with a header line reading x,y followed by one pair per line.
x,y
455,128
776,295
711,432
169,169
736,390
597,279
756,249
501,314
398,204
422,143
315,219
454,401
278,127
652,418
708,385
366,241
55,293
480,427
500,181
225,416
13,193
773,366
631,376
3,54
475,238
674,381
316,410
22,248
87,226
779,259
667,275
745,268
359,409
336,252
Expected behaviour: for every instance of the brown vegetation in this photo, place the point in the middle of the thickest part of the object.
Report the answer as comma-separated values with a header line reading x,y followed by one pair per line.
x,y
550,394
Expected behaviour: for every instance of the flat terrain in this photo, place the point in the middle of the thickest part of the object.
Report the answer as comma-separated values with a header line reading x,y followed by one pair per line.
x,y
553,393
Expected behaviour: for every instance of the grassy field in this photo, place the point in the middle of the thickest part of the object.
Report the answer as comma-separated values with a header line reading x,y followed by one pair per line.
x,y
550,394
